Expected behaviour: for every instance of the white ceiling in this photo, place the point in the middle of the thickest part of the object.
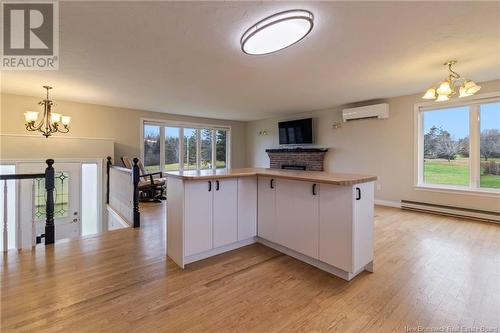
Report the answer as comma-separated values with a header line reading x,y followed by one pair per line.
x,y
185,58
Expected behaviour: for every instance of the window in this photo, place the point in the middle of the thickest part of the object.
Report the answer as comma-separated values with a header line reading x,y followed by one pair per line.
x,y
190,143
151,147
489,146
446,146
90,216
221,148
459,146
206,148
171,147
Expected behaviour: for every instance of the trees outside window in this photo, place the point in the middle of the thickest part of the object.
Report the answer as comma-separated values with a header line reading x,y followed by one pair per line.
x,y
490,143
206,149
221,149
152,147
447,146
172,148
444,130
489,146
190,148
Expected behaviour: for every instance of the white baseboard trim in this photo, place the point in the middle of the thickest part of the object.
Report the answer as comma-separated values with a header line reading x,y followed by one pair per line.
x,y
315,262
219,250
388,203
116,216
302,257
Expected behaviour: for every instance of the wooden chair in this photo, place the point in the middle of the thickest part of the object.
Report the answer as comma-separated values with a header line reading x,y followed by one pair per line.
x,y
152,188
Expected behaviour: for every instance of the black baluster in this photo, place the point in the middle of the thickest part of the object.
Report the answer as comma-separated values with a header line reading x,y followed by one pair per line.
x,y
137,214
108,166
49,205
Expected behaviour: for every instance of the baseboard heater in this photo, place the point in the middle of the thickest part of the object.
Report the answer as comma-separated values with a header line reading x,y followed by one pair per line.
x,y
476,214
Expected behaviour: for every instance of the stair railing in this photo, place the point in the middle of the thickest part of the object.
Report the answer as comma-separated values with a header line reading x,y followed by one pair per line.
x,y
49,202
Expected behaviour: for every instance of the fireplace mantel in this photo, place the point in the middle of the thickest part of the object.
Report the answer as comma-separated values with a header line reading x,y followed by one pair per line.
x,y
297,150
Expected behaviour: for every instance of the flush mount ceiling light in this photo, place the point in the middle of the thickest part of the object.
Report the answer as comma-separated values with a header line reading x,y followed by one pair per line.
x,y
444,90
277,32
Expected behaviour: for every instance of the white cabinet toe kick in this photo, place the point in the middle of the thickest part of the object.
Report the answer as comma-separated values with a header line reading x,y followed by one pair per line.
x,y
326,225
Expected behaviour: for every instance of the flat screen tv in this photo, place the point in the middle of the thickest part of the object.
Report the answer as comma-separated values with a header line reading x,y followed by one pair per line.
x,y
295,132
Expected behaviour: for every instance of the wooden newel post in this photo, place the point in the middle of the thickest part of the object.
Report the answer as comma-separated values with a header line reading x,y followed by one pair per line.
x,y
108,166
49,205
135,177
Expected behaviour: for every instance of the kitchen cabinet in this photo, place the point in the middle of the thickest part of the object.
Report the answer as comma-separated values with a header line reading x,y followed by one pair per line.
x,y
320,218
225,211
266,212
335,233
198,208
297,216
346,226
247,207
211,214
363,225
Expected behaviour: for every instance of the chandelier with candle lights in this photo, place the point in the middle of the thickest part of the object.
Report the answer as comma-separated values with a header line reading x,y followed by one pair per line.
x,y
50,122
443,91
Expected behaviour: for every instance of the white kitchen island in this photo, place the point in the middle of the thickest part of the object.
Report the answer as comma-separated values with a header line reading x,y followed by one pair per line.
x,y
324,219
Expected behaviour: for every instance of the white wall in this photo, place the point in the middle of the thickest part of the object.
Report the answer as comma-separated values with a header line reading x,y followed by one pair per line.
x,y
96,121
16,147
379,147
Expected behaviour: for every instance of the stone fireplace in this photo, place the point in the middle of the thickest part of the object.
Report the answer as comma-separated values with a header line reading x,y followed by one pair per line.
x,y
310,159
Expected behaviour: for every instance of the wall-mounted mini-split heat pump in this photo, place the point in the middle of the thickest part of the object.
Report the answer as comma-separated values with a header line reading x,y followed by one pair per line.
x,y
378,111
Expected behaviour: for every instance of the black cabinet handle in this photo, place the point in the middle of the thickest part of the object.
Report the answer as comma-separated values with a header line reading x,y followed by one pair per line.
x,y
358,193
216,185
314,189
271,183
209,186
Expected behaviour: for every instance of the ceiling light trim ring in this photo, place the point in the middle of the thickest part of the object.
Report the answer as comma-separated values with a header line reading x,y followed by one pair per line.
x,y
254,29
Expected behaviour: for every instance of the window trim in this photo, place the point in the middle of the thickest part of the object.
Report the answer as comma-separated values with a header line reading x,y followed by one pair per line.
x,y
474,151
181,125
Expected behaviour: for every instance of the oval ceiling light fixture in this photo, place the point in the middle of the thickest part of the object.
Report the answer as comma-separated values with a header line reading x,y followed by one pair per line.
x,y
277,32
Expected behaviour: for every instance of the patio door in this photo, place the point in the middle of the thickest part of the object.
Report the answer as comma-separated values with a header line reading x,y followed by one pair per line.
x,y
67,198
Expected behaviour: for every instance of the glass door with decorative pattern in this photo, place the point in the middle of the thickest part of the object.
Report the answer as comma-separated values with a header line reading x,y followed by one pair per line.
x,y
66,196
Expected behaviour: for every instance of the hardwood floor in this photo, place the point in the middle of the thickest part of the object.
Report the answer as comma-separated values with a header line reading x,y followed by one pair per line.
x,y
429,271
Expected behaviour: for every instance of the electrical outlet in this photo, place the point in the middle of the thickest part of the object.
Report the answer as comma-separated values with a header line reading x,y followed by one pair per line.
x,y
379,187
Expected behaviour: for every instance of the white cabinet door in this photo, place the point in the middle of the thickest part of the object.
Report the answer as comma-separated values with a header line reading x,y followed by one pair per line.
x,y
247,207
266,208
335,223
225,218
198,202
297,209
363,224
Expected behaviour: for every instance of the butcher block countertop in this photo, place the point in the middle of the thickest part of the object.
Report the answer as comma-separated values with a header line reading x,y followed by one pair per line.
x,y
312,176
